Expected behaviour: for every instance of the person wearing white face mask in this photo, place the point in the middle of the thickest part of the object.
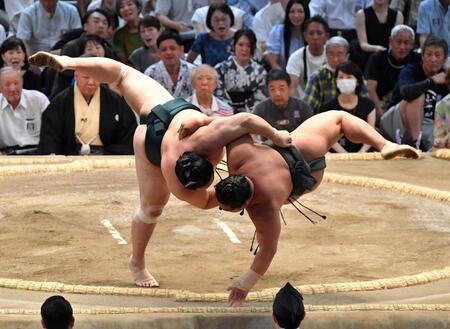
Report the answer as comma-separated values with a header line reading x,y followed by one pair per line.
x,y
349,79
321,86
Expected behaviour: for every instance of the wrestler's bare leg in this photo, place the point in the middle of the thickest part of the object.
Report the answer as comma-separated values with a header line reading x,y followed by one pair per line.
x,y
140,91
316,135
154,194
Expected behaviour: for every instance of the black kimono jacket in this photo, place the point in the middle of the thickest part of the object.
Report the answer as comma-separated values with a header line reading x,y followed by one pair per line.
x,y
117,124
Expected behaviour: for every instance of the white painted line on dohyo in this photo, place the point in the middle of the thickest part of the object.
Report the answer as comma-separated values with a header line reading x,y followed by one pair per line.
x,y
230,234
115,234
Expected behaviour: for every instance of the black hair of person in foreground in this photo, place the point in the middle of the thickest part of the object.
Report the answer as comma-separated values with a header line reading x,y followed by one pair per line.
x,y
288,308
57,313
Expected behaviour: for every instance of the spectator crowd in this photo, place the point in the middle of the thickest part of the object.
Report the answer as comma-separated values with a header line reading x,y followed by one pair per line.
x,y
386,62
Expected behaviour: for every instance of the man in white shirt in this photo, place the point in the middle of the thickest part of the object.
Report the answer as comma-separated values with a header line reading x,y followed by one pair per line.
x,y
433,18
42,24
265,19
307,60
20,114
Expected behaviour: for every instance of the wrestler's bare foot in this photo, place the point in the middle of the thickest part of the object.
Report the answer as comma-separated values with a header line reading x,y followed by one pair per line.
x,y
42,58
142,277
391,150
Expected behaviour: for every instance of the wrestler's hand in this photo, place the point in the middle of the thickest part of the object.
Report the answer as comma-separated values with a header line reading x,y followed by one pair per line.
x,y
189,126
236,297
282,138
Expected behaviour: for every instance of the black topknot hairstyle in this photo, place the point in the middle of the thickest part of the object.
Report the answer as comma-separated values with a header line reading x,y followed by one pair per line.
x,y
193,170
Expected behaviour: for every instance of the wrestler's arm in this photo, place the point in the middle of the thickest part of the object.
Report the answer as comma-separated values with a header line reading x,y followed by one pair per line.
x,y
221,131
188,127
268,228
203,199
140,91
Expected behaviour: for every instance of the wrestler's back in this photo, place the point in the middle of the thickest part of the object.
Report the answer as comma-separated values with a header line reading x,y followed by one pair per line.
x,y
172,147
265,167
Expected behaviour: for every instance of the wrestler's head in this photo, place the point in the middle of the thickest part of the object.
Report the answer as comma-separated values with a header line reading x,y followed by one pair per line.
x,y
233,193
193,170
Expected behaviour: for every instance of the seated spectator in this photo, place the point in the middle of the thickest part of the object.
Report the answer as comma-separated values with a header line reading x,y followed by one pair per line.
x,y
109,4
143,57
307,60
56,313
384,67
288,310
242,79
172,72
280,110
93,45
340,16
96,22
204,80
321,86
250,6
286,38
87,119
410,119
13,10
126,38
176,15
373,27
409,10
149,7
110,7
20,114
442,119
349,79
42,23
214,46
434,19
265,19
199,18
14,53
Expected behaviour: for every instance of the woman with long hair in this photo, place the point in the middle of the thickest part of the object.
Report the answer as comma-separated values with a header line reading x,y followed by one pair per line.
x,y
373,28
286,38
